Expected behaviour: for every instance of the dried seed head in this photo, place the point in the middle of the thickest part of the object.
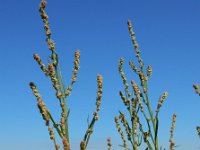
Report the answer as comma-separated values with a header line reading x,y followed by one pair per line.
x,y
67,93
51,69
98,103
109,144
83,145
163,97
121,61
48,32
36,57
125,124
165,94
149,71
51,133
76,65
196,87
135,44
59,95
35,91
62,120
123,75
51,45
77,56
99,92
39,61
44,15
160,102
69,88
132,36
32,85
141,75
131,64
141,64
198,130
63,114
96,117
43,4
129,23
53,76
43,110
171,140
66,145
134,68
116,119
50,129
135,88
120,130
41,9
56,87
99,79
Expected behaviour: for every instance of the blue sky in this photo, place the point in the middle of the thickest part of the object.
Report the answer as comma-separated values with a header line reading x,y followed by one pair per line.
x,y
168,36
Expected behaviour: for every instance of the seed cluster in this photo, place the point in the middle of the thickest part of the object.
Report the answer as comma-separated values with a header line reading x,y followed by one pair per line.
x,y
172,143
121,62
54,73
196,87
149,71
134,68
41,104
51,133
99,92
42,66
126,125
138,103
109,144
66,145
120,131
135,44
83,145
75,72
161,100
89,130
76,65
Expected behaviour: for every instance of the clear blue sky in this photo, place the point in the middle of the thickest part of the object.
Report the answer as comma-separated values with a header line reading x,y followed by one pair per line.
x,y
168,34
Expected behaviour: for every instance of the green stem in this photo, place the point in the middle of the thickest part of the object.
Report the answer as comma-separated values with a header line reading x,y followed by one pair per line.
x,y
55,125
153,122
149,127
62,90
87,134
146,101
149,145
132,120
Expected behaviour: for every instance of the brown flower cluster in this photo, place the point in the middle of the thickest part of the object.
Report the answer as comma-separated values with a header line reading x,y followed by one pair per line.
x,y
42,66
196,87
41,104
172,143
120,132
109,144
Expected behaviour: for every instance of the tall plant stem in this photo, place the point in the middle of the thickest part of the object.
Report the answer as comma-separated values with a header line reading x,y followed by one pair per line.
x,y
155,141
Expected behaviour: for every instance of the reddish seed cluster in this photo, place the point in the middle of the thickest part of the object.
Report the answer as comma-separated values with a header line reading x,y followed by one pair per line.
x,y
66,145
83,145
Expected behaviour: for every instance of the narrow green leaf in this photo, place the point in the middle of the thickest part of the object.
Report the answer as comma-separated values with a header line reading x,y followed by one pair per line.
x,y
156,131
